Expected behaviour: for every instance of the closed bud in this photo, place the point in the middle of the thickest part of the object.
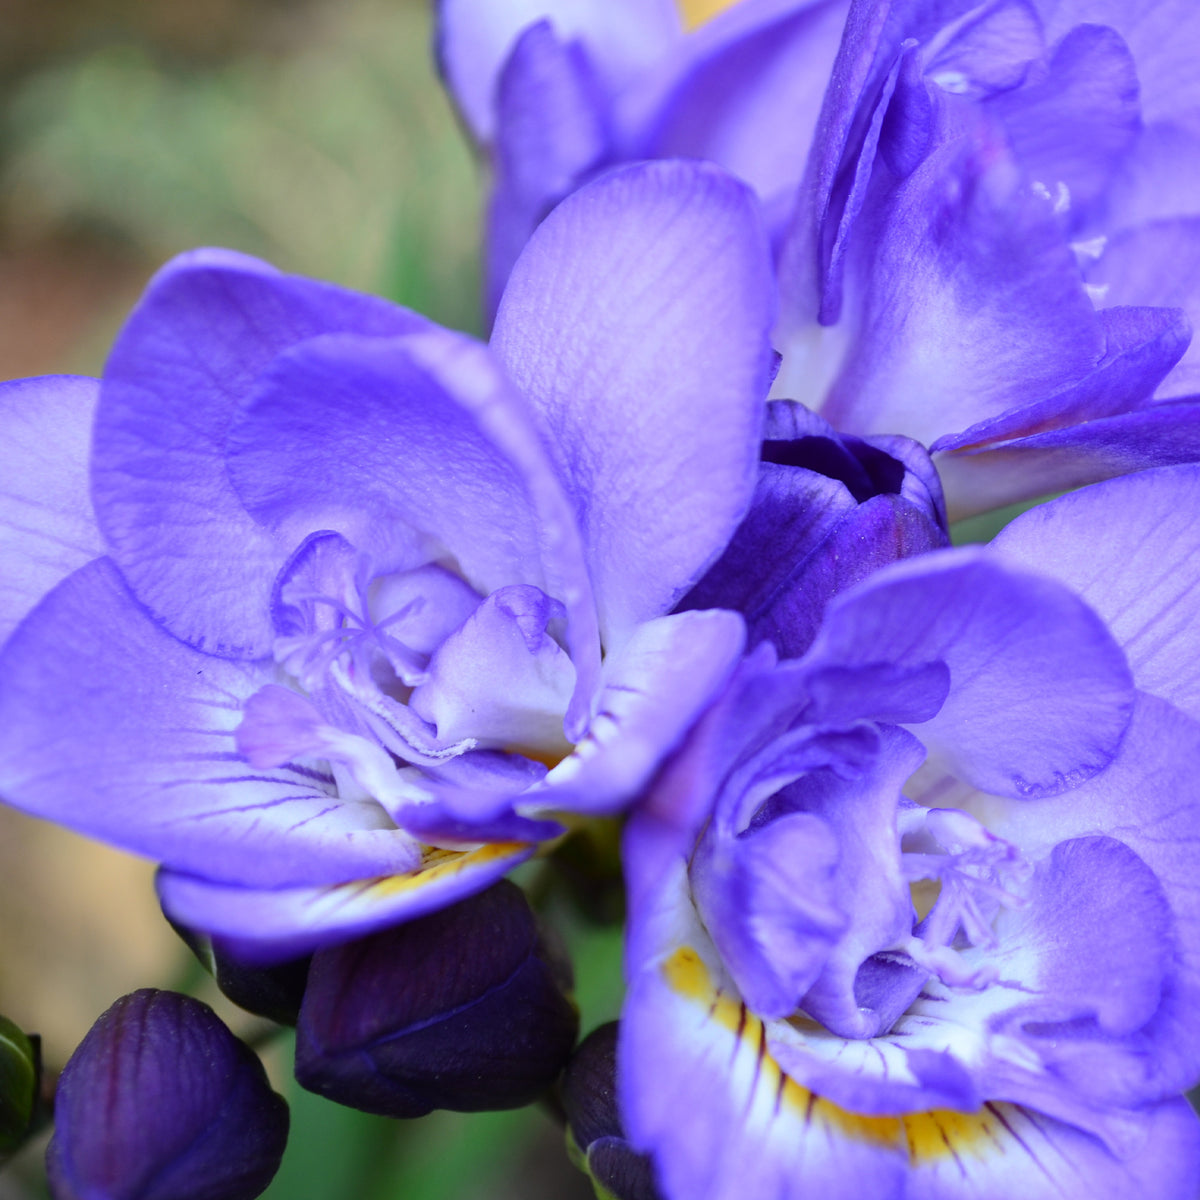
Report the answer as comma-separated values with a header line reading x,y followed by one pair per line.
x,y
20,1070
273,992
161,1102
596,1137
462,1009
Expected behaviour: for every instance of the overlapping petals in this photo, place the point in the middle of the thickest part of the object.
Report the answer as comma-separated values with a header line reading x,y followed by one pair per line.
x,y
964,984
379,597
965,267
558,92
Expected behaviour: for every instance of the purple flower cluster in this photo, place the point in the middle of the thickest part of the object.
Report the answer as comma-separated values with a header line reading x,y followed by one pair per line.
x,y
339,615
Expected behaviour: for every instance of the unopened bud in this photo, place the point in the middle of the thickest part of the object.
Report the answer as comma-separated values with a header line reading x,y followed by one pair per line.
x,y
273,992
596,1137
462,1009
161,1102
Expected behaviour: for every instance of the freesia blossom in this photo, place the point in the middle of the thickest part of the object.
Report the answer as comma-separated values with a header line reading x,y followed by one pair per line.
x,y
557,91
987,233
362,600
913,916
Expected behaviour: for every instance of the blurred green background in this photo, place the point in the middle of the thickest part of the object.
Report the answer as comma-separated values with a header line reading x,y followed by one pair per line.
x,y
312,133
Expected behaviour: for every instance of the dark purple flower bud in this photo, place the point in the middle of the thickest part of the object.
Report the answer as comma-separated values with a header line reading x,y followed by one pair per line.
x,y
161,1102
597,1137
462,1009
273,992
20,1068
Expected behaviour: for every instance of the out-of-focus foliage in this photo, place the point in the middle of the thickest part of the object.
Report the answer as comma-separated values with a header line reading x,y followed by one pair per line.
x,y
334,156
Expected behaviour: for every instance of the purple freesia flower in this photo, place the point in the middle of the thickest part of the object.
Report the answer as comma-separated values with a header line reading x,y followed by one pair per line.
x,y
974,260
914,915
362,600
559,90
987,233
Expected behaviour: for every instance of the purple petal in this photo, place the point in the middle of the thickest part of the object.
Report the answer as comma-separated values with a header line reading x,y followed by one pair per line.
x,y
653,689
551,134
702,1094
1011,1151
1040,694
1157,436
46,525
475,37
112,727
964,297
414,448
1149,798
768,899
1156,263
1140,576
1143,344
501,678
1077,118
721,94
826,512
656,437
1160,33
1096,939
870,886
210,323
265,925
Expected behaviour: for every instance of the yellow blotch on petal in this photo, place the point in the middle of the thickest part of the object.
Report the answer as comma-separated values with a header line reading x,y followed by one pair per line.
x,y
438,865
943,1133
927,1136
696,12
687,975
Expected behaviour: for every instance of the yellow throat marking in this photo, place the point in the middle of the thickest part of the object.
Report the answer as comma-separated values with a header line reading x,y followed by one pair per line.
x,y
926,1136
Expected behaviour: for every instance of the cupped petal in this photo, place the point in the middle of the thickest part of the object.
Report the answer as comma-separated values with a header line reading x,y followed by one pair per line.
x,y
768,897
986,477
269,925
869,885
501,678
415,448
111,726
1040,694
47,529
652,691
636,323
1141,576
190,354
